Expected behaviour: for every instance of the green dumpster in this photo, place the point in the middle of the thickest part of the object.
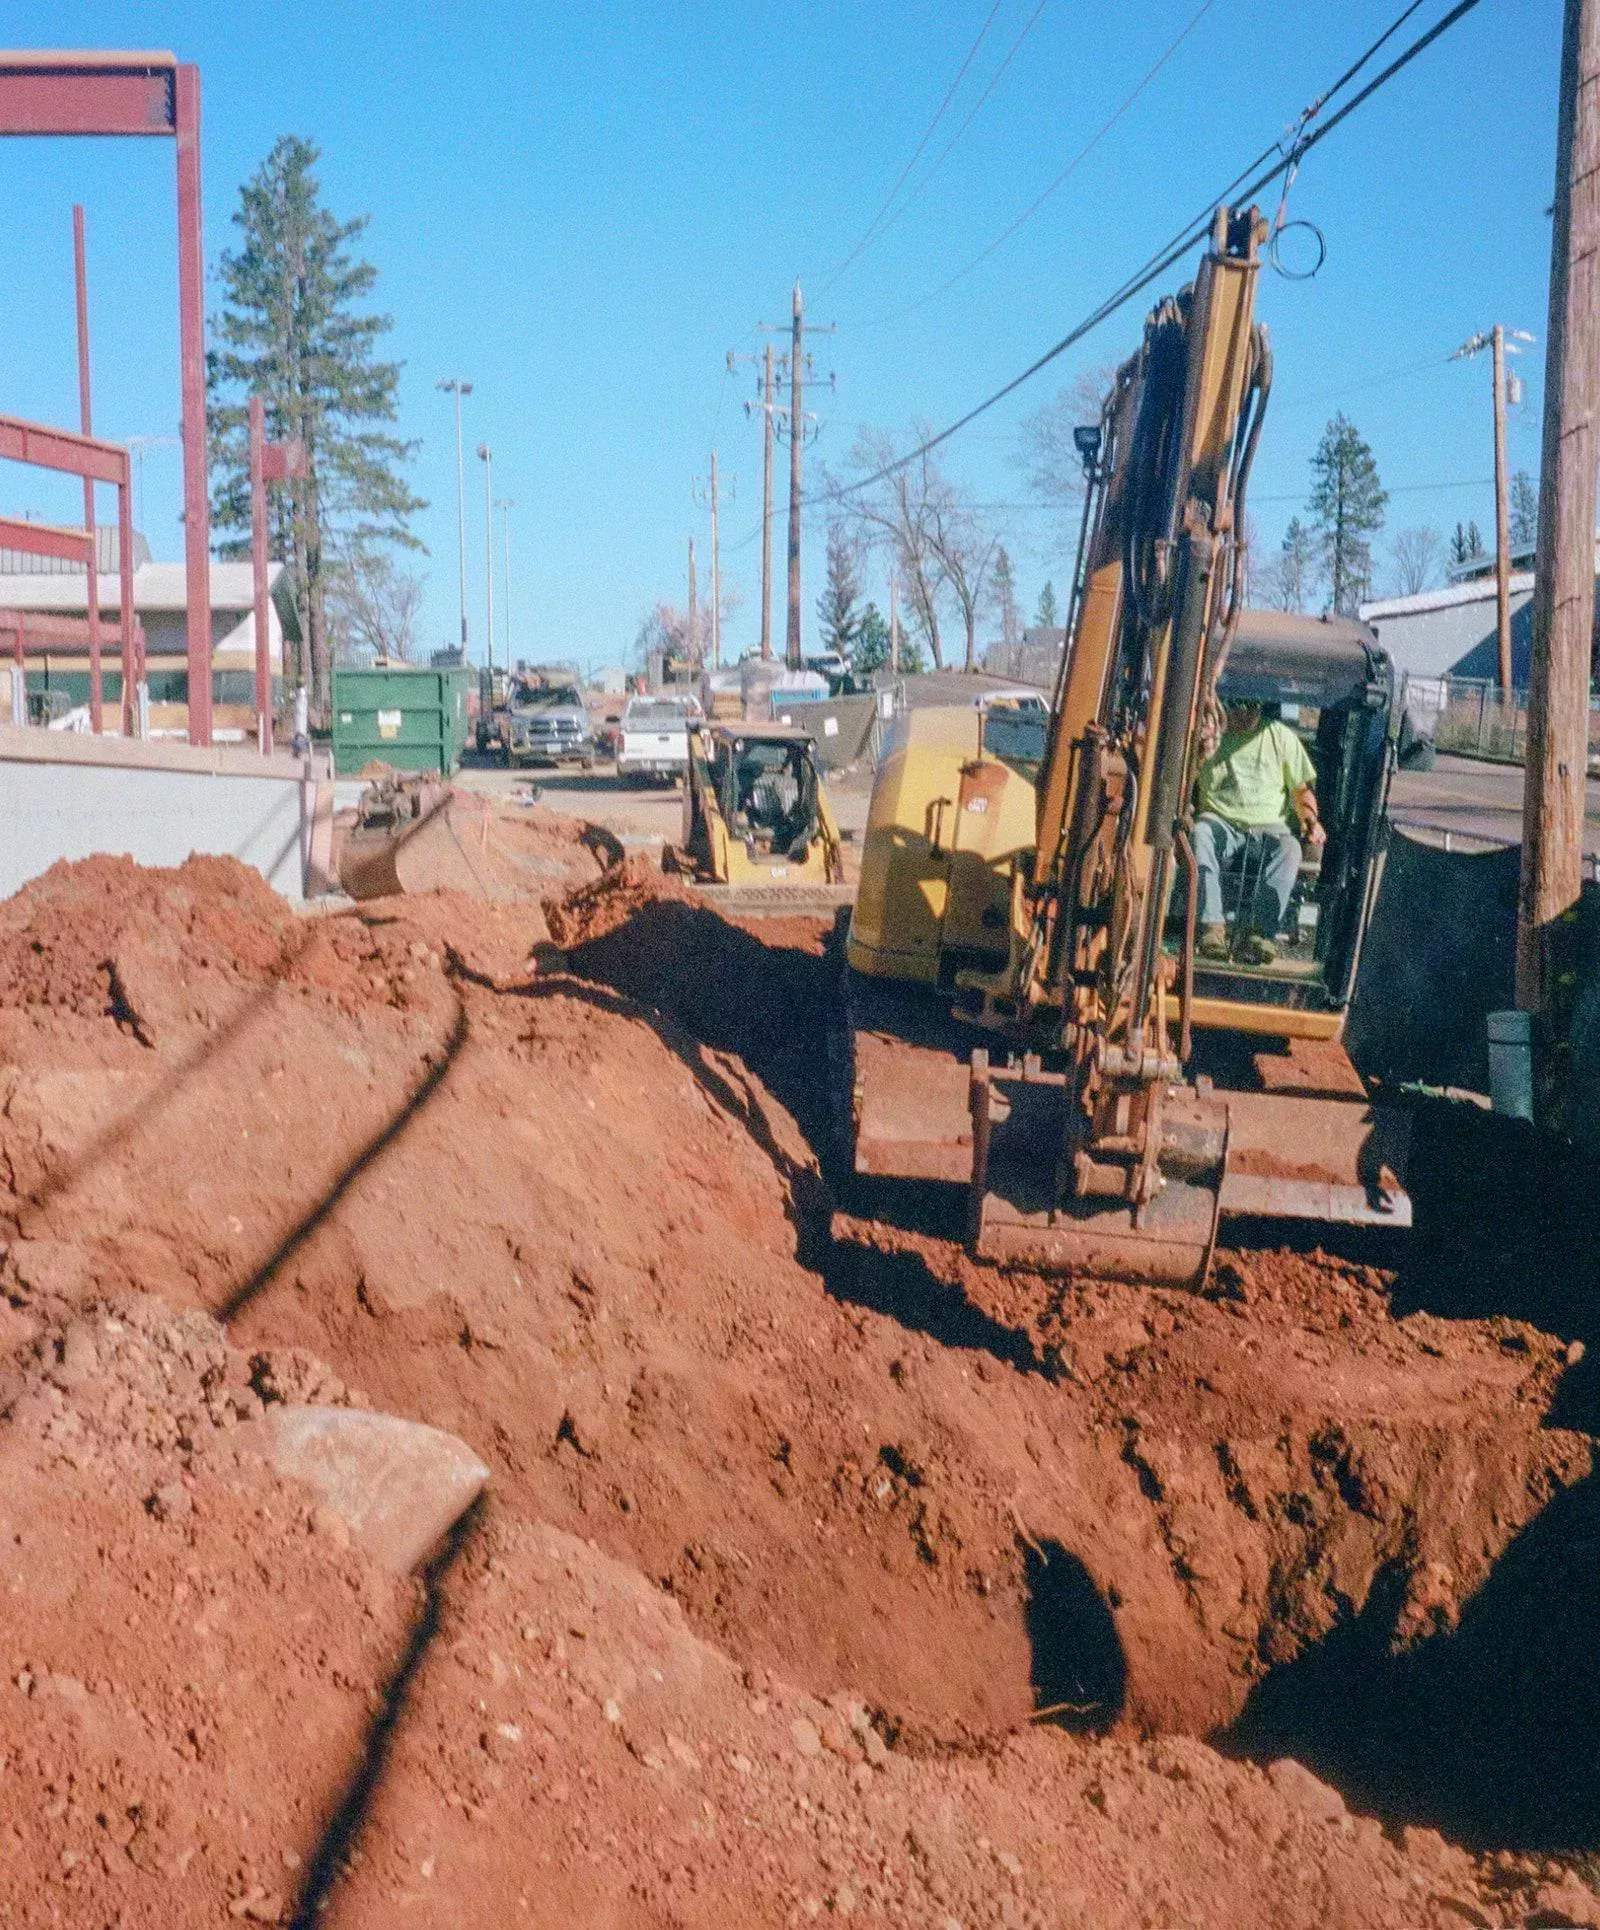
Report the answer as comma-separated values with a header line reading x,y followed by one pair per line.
x,y
409,718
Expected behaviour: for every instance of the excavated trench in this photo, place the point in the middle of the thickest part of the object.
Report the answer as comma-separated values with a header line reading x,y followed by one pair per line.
x,y
581,1215
1463,1700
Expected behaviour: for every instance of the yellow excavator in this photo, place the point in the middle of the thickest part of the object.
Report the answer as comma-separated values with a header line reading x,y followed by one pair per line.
x,y
1029,1012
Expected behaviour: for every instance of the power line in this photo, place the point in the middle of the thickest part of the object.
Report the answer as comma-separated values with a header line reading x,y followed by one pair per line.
x,y
1394,489
994,81
1071,168
1193,232
1426,366
873,224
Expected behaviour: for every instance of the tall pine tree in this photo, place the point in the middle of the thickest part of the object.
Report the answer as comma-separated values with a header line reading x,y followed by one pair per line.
x,y
836,607
1046,618
1347,505
291,330
1003,589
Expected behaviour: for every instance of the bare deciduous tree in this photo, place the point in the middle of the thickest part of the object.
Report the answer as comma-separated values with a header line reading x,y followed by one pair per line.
x,y
1285,581
1046,453
1417,554
373,606
963,548
895,517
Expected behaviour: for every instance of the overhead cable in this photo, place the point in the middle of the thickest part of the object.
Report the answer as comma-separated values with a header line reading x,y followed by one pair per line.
x,y
1035,205
1302,144
877,220
994,81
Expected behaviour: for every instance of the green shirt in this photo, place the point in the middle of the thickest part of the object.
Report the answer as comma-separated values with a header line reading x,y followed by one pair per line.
x,y
1251,779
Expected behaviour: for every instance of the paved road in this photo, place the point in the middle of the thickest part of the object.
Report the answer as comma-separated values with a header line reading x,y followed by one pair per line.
x,y
1479,803
642,815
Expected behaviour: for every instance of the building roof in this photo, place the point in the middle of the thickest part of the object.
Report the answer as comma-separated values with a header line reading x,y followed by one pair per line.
x,y
107,554
156,586
1477,589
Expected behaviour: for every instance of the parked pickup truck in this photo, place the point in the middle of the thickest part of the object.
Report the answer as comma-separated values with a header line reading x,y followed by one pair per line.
x,y
545,724
653,737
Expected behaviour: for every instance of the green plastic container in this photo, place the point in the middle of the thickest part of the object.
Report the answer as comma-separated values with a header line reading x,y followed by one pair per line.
x,y
411,719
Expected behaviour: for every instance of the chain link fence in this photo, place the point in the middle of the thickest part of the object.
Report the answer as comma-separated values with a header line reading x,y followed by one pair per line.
x,y
1473,715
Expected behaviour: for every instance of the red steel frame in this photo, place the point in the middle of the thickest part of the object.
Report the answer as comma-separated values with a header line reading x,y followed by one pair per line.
x,y
143,94
269,462
86,424
107,462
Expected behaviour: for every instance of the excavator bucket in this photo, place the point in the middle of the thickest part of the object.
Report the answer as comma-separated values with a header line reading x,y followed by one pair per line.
x,y
413,834
1022,1217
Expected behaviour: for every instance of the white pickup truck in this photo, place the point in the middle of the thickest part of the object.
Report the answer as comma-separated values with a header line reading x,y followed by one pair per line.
x,y
653,737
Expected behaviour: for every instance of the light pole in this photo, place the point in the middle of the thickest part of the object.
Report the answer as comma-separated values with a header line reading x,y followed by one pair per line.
x,y
505,505
458,389
486,456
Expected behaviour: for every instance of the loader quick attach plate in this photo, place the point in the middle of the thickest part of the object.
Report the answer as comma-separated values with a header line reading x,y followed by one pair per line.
x,y
1020,1219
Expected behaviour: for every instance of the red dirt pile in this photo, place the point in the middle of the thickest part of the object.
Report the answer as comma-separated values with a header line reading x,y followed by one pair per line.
x,y
796,1523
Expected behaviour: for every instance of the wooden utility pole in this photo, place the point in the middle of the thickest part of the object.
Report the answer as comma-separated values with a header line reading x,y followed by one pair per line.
x,y
713,497
1502,516
797,432
694,615
1563,590
769,412
766,507
894,623
716,575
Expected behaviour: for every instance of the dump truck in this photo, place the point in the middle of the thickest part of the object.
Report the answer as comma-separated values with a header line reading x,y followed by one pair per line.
x,y
1032,1009
758,830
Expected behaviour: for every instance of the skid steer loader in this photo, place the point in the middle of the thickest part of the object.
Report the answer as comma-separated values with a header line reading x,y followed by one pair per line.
x,y
758,832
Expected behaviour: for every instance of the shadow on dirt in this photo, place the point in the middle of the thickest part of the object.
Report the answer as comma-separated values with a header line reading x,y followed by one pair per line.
x,y
903,1288
344,1827
438,1069
767,1003
1079,1673
1486,1731
1508,1223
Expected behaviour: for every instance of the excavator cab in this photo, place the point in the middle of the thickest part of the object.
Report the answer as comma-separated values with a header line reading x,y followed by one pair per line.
x,y
1330,682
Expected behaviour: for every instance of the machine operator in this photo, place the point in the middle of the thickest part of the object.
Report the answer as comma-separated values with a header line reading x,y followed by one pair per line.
x,y
1253,785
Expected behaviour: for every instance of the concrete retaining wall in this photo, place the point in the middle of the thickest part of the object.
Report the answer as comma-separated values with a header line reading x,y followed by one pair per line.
x,y
71,797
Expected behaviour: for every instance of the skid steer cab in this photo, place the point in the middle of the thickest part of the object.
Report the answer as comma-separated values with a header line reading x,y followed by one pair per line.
x,y
758,831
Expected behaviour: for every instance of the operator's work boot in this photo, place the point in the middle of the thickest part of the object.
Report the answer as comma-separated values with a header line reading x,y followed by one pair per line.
x,y
1212,942
1257,950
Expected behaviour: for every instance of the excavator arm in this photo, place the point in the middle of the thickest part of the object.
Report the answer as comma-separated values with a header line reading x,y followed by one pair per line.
x,y
1113,1160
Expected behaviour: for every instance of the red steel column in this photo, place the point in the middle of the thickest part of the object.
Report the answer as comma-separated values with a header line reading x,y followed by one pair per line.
x,y
192,340
258,568
92,594
132,635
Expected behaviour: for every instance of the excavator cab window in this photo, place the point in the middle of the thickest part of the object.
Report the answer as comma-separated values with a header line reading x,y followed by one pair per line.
x,y
1312,943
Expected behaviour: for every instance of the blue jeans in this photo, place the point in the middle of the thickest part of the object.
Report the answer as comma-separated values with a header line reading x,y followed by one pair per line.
x,y
1271,852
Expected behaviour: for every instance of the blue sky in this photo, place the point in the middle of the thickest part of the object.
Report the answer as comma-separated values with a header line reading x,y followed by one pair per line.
x,y
581,209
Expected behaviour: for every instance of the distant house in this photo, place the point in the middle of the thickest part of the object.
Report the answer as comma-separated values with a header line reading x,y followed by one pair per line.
x,y
47,585
1454,632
